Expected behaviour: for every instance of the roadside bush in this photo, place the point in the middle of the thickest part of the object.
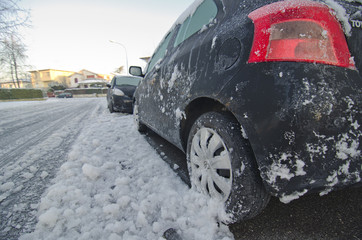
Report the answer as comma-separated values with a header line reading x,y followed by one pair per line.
x,y
8,94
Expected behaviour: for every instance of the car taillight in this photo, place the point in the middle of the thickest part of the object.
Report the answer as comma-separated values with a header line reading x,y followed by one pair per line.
x,y
300,31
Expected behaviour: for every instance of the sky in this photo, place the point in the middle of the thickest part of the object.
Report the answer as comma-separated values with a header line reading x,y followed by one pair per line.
x,y
75,34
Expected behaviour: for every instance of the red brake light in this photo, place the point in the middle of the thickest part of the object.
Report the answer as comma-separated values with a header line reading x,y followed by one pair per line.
x,y
301,31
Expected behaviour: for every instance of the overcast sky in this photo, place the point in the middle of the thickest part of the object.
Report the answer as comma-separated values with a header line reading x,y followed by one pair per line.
x,y
74,34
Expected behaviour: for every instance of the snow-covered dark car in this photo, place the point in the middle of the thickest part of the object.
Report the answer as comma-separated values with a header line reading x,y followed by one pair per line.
x,y
65,95
120,93
263,96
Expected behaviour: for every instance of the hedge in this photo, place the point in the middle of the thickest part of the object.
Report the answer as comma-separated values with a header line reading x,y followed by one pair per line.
x,y
16,93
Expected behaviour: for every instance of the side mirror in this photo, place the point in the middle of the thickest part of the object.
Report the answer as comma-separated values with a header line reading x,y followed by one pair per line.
x,y
136,71
108,85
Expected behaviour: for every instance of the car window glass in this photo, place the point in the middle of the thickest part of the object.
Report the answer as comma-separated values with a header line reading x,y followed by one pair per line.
x,y
203,15
112,83
181,33
160,53
126,81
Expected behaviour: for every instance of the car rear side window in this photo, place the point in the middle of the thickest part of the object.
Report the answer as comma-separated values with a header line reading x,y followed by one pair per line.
x,y
160,52
203,15
126,81
113,81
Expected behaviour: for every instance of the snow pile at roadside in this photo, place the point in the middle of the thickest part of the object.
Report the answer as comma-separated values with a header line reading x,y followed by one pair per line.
x,y
115,186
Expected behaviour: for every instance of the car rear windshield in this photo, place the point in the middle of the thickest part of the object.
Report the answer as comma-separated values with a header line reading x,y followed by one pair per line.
x,y
127,81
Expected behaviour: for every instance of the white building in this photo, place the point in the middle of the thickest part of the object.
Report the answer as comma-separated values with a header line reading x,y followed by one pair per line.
x,y
87,79
92,83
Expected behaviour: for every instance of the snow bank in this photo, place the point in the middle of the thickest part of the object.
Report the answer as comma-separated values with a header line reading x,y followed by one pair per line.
x,y
115,186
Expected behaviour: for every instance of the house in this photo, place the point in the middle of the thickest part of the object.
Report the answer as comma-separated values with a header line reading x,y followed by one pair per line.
x,y
146,59
49,77
93,83
107,77
24,83
85,79
74,79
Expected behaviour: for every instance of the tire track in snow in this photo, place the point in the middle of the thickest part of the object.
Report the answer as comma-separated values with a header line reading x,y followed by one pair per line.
x,y
39,132
12,131
31,167
12,117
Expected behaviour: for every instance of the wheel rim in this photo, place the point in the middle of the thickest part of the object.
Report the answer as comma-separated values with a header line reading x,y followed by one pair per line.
x,y
211,171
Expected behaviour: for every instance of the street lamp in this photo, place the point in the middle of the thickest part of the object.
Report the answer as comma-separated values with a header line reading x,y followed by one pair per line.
x,y
125,50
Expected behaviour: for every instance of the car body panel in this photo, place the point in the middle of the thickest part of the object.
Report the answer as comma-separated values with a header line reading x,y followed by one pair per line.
x,y
302,119
304,131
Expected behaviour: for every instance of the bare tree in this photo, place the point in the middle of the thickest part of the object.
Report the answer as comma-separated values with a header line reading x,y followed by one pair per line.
x,y
11,17
13,57
119,70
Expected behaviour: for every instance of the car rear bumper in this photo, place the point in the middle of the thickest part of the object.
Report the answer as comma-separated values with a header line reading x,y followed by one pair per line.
x,y
303,122
122,104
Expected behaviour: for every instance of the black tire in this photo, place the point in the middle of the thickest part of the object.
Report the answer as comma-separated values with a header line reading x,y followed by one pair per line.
x,y
232,159
110,107
139,125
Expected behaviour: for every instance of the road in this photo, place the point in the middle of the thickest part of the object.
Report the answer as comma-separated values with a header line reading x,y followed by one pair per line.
x,y
34,142
337,215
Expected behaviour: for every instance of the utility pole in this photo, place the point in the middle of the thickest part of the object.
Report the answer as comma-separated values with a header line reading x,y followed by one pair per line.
x,y
125,50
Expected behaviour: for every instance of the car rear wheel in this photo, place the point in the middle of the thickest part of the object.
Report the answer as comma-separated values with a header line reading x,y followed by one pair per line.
x,y
222,165
139,126
110,107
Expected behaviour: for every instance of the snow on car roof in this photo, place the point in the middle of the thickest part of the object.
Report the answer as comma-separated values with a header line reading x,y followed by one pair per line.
x,y
188,12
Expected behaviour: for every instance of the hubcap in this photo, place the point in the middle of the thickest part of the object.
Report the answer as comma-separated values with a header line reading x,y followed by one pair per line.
x,y
210,164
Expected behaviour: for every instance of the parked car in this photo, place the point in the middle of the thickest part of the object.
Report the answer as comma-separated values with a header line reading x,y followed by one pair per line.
x,y
120,93
50,94
264,97
65,95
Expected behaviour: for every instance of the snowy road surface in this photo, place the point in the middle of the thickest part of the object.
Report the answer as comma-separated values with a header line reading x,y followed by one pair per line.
x,y
34,140
71,170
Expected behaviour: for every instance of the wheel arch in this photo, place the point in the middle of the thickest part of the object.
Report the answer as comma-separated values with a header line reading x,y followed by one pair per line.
x,y
202,105
195,109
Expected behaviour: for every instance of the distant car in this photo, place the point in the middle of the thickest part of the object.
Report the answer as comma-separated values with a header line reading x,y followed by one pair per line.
x,y
263,96
120,93
65,95
50,94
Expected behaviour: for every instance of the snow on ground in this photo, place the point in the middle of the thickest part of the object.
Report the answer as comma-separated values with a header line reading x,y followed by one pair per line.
x,y
35,138
115,186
